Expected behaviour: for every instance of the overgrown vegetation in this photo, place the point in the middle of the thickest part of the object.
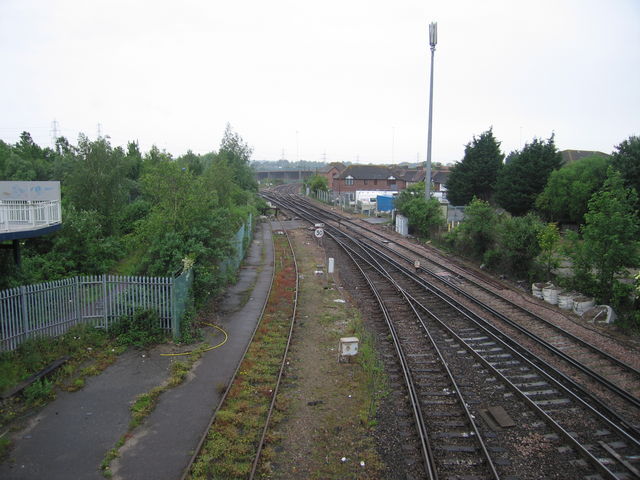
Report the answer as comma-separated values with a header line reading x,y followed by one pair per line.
x,y
146,402
90,351
81,343
135,213
609,243
592,202
316,183
141,330
425,216
374,374
231,443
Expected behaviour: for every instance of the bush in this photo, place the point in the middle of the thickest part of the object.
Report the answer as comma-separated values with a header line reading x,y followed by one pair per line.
x,y
517,241
39,391
141,330
477,233
492,260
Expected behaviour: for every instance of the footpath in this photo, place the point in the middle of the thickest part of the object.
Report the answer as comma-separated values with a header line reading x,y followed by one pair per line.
x,y
69,438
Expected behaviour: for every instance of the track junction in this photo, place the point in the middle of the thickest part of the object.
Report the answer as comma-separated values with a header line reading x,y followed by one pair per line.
x,y
484,380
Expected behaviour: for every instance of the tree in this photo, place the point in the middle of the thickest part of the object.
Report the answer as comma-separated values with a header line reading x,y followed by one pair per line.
x,y
627,161
548,241
477,233
5,151
155,156
476,174
525,175
98,180
565,197
38,159
17,168
516,243
610,237
192,162
424,215
237,153
317,183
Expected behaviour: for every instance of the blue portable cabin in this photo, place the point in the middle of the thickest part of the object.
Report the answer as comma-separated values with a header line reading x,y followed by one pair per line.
x,y
384,203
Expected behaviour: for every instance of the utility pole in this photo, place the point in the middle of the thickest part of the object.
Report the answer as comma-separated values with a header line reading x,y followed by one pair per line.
x,y
99,130
433,39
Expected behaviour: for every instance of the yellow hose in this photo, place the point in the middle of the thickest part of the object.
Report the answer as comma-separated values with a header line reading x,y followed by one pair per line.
x,y
226,337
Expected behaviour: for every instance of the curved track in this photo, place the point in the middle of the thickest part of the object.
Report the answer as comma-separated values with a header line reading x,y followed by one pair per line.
x,y
604,439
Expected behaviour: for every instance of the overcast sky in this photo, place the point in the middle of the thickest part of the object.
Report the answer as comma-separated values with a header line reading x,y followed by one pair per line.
x,y
343,80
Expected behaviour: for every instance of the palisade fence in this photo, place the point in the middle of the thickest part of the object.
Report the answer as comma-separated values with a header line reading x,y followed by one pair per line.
x,y
51,308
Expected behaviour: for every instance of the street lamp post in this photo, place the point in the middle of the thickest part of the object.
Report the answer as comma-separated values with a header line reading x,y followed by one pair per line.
x,y
433,39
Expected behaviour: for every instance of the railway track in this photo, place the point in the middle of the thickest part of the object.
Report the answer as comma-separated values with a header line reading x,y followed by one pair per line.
x,y
609,380
507,378
264,393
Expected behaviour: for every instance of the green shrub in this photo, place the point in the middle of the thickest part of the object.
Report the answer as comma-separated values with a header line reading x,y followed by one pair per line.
x,y
517,241
39,391
141,330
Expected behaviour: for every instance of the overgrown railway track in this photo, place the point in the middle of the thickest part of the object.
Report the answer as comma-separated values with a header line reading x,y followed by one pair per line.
x,y
506,377
255,384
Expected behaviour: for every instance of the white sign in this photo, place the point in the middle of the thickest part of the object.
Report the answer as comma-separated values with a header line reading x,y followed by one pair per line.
x,y
319,233
35,191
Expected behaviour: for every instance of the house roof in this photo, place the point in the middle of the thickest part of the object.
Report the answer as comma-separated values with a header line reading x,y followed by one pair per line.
x,y
328,167
570,156
440,177
411,174
369,172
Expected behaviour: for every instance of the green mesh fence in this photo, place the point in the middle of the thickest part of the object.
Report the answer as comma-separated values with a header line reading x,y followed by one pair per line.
x,y
182,284
181,299
239,244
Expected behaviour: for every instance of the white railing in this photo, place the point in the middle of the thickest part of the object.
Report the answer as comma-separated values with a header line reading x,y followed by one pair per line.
x,y
16,215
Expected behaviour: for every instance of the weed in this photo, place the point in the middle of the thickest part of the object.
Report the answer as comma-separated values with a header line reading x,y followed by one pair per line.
x,y
231,443
5,446
221,388
375,380
77,384
90,371
179,371
141,331
189,331
39,391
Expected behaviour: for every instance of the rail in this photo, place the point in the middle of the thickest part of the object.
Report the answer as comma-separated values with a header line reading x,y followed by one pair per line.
x,y
518,354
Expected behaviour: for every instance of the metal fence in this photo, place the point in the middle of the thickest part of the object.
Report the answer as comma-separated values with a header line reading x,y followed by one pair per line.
x,y
51,308
24,215
181,298
239,243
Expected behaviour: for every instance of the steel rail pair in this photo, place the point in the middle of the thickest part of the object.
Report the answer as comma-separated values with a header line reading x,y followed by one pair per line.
x,y
565,434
